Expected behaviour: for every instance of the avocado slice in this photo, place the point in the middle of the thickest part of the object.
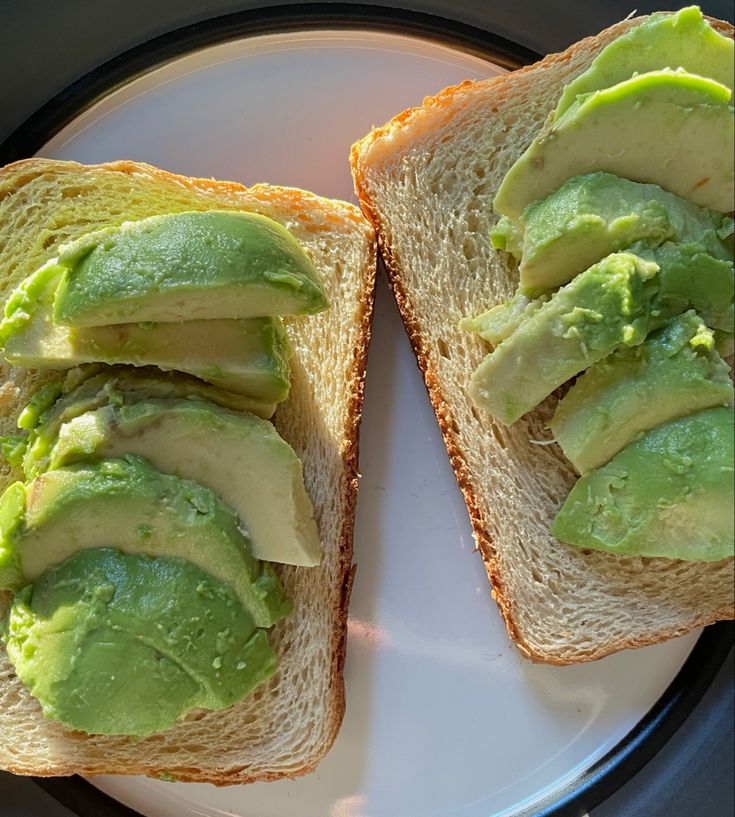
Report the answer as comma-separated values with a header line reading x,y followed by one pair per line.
x,y
609,305
248,356
124,644
127,504
239,456
45,414
646,129
691,278
595,214
682,40
186,266
724,343
499,322
674,372
668,494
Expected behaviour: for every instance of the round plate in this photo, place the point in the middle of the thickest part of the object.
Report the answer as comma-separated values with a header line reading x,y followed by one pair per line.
x,y
444,718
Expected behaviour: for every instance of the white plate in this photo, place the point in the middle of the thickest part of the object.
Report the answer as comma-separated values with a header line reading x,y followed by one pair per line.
x,y
444,718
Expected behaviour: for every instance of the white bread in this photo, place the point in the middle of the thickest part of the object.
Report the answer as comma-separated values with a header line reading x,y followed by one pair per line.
x,y
289,722
427,180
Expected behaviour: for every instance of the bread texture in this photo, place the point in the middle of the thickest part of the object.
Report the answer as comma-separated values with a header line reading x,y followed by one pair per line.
x,y
426,180
285,727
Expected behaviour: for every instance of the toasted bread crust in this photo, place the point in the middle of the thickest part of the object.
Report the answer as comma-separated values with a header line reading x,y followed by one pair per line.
x,y
399,134
338,221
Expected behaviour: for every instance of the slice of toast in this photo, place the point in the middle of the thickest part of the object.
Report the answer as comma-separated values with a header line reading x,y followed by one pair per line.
x,y
427,180
288,723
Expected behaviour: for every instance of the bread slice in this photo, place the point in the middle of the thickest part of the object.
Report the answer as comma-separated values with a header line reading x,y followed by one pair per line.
x,y
289,722
426,180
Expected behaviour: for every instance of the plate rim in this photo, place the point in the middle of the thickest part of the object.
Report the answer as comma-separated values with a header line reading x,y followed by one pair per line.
x,y
659,724
80,95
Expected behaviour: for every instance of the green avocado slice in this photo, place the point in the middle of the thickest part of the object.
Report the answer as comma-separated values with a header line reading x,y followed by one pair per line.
x,y
249,356
125,644
690,278
58,402
682,40
609,305
184,267
674,372
239,456
669,494
646,129
595,214
499,322
126,504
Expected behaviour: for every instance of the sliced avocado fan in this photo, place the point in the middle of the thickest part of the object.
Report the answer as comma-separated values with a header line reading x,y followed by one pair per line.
x,y
186,266
124,644
128,505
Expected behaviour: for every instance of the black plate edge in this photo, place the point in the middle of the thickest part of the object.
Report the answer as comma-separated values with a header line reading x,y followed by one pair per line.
x,y
676,703
48,120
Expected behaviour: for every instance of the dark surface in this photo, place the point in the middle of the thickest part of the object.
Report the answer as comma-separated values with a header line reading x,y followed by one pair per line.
x,y
47,44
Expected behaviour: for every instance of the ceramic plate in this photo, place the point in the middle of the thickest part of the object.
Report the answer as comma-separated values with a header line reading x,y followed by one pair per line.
x,y
444,718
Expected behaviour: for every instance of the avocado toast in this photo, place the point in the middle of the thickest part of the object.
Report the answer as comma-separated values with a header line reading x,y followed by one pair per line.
x,y
289,722
427,180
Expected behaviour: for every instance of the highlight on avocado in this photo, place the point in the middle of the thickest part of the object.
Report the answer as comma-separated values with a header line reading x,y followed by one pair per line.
x,y
617,214
156,495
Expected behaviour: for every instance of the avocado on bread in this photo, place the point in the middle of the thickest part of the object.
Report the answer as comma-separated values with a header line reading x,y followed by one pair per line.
x,y
614,303
249,738
684,36
441,165
609,305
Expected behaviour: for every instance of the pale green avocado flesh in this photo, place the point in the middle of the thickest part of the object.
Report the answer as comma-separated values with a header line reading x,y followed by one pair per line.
x,y
640,129
127,504
58,402
682,40
186,266
499,322
690,278
248,356
238,456
608,305
669,494
674,372
125,644
595,214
